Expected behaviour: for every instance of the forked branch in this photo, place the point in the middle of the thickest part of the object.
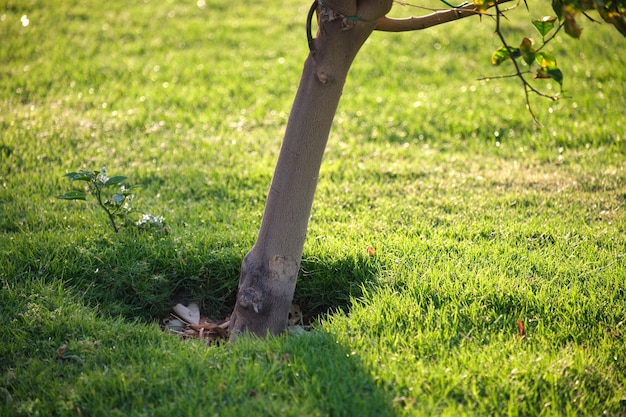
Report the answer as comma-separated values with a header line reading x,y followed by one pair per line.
x,y
388,24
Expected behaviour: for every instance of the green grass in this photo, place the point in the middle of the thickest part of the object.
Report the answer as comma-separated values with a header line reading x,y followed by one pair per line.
x,y
479,218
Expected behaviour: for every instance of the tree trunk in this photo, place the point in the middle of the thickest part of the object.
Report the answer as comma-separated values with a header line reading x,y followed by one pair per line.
x,y
270,269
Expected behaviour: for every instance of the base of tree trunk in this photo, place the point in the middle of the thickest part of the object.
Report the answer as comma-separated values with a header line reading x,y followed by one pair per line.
x,y
264,297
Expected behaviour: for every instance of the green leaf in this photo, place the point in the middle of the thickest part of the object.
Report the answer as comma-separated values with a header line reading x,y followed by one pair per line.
x,y
571,27
79,176
73,195
544,25
557,75
557,6
527,51
553,73
549,68
115,180
546,60
502,54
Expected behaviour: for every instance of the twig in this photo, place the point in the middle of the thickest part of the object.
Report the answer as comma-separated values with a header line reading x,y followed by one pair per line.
x,y
101,204
495,77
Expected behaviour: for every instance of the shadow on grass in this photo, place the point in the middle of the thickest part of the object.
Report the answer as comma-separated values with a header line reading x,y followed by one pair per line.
x,y
308,374
129,369
326,286
140,276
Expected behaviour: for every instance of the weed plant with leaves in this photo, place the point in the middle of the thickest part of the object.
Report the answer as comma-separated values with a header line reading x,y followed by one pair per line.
x,y
114,197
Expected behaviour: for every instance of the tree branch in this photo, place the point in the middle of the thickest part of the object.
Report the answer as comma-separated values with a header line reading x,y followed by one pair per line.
x,y
388,24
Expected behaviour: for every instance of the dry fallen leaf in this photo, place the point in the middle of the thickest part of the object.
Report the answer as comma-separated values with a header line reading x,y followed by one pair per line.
x,y
187,323
520,328
174,324
190,313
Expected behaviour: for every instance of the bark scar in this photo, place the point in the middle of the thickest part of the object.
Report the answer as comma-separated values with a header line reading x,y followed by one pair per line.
x,y
283,268
324,78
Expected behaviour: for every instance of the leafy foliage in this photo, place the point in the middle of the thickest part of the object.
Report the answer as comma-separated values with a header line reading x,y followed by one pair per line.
x,y
113,196
566,11
612,11
547,66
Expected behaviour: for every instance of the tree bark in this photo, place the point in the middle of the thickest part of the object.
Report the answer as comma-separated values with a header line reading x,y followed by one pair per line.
x,y
269,271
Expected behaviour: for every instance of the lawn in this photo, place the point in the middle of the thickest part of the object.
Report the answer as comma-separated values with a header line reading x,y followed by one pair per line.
x,y
460,260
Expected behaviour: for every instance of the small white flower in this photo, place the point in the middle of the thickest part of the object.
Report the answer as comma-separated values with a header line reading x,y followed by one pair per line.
x,y
102,177
148,220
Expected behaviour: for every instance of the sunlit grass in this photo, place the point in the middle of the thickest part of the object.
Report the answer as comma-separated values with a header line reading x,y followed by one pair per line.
x,y
478,217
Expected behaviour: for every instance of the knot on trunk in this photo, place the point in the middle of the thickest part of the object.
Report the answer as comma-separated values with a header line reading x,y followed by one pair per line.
x,y
250,298
323,77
